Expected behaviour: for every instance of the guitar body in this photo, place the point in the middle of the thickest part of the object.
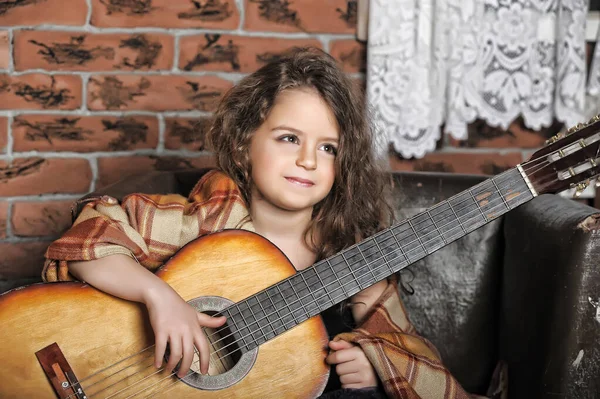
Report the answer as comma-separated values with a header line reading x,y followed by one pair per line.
x,y
96,331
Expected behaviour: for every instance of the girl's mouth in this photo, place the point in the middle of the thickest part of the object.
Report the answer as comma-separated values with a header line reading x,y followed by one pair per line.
x,y
299,181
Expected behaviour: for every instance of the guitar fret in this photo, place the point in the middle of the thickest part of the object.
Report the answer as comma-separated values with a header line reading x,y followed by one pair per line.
x,y
446,222
366,265
399,246
457,218
294,304
407,237
384,258
244,331
354,265
513,188
436,227
338,281
321,294
249,315
485,218
290,315
416,235
269,327
299,300
278,322
500,193
252,303
312,302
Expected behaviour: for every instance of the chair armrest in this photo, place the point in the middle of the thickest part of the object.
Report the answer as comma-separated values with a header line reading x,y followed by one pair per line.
x,y
549,319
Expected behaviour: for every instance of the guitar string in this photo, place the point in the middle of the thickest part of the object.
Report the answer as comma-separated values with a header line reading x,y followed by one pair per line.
x,y
217,332
175,381
470,199
134,374
191,372
250,326
250,335
118,371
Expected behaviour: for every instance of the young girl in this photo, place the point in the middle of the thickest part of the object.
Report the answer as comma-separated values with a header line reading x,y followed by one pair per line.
x,y
296,165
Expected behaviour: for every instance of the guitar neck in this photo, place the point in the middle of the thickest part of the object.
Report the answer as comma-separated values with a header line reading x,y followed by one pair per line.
x,y
307,293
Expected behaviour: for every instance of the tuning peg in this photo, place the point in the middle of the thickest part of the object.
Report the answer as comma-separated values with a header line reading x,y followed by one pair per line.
x,y
575,128
554,139
594,119
580,188
597,184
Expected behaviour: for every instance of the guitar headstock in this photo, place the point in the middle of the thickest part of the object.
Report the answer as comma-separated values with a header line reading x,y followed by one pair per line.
x,y
568,161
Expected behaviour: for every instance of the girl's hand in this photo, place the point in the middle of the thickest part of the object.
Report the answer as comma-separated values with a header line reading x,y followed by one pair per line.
x,y
352,366
178,323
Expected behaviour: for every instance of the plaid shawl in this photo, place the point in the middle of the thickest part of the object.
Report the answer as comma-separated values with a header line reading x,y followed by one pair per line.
x,y
151,228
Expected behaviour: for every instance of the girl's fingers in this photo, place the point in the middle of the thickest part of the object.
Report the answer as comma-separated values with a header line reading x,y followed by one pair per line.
x,y
203,355
352,378
347,368
188,357
210,321
341,356
203,352
160,345
174,353
339,345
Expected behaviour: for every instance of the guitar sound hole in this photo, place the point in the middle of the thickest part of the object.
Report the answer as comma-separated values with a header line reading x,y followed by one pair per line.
x,y
224,351
228,364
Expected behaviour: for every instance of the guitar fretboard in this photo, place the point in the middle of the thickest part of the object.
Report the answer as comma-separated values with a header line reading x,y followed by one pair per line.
x,y
284,305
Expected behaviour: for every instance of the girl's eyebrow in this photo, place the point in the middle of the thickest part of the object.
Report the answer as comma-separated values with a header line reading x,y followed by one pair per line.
x,y
300,132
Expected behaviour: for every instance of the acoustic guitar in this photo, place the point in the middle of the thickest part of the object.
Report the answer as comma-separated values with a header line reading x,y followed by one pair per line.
x,y
69,340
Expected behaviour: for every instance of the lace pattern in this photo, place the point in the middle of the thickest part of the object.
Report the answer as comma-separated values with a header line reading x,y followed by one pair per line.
x,y
448,62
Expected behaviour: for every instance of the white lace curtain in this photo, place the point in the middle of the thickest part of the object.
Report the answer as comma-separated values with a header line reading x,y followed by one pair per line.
x,y
434,62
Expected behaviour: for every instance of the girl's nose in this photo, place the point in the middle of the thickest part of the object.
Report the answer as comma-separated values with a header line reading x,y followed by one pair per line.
x,y
307,158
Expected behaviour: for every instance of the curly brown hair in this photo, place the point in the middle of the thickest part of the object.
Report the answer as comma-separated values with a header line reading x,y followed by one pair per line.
x,y
357,205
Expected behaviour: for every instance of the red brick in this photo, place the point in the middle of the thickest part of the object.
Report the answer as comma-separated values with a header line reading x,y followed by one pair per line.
x,y
215,52
351,54
470,163
327,16
482,135
33,176
208,14
81,51
84,133
186,133
3,218
55,12
4,50
22,259
40,91
49,218
113,169
155,93
3,134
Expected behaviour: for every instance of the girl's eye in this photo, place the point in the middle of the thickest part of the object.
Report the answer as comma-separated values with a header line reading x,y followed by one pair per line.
x,y
330,149
290,138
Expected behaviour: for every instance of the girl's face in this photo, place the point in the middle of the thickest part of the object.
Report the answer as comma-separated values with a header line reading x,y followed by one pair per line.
x,y
293,152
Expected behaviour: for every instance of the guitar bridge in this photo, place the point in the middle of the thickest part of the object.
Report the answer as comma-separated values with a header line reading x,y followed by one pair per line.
x,y
59,372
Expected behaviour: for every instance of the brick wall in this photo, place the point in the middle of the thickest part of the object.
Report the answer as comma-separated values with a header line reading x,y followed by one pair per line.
x,y
94,90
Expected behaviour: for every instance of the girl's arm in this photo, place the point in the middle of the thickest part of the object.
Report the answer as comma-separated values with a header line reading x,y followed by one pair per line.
x,y
173,320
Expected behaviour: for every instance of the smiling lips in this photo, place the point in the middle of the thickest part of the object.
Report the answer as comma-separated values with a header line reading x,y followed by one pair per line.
x,y
299,181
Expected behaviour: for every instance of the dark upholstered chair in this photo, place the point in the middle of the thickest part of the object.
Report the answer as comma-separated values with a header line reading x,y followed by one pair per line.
x,y
523,289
